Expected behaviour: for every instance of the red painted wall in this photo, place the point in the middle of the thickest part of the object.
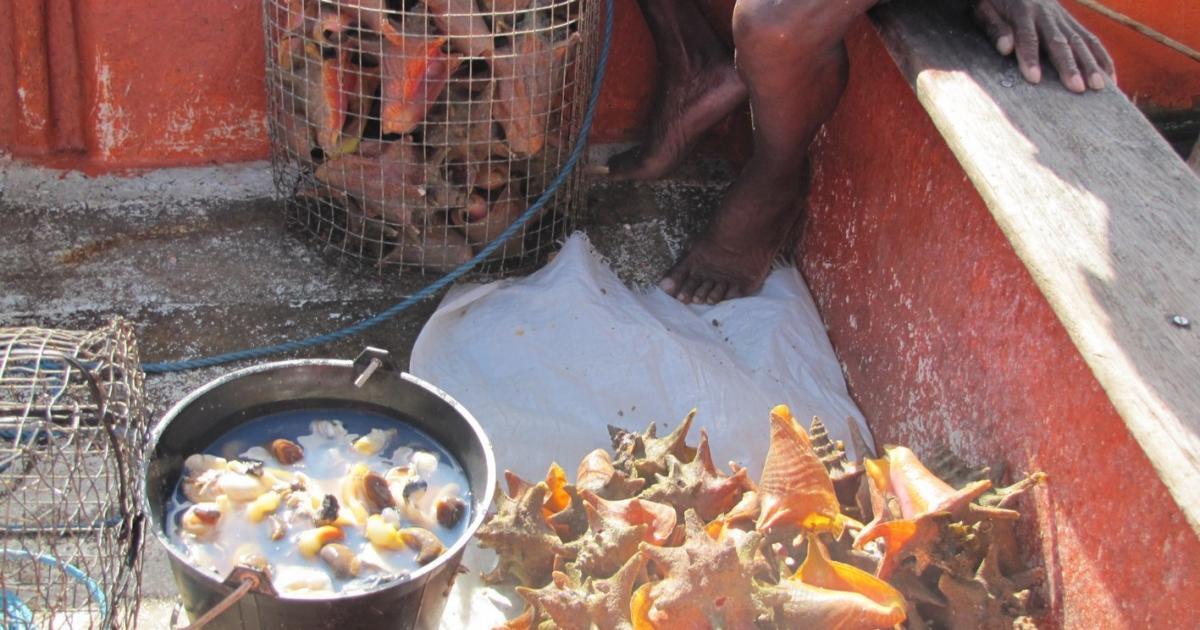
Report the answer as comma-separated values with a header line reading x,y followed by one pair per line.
x,y
945,339
143,83
129,83
173,82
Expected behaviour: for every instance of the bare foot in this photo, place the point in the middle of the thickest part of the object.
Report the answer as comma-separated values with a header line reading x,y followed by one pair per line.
x,y
685,108
732,258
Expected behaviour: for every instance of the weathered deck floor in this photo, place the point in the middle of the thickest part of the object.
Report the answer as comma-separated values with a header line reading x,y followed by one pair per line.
x,y
201,262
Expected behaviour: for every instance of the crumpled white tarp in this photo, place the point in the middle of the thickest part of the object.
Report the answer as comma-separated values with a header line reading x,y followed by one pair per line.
x,y
547,362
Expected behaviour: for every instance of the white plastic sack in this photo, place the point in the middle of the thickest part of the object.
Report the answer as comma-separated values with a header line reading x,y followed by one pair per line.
x,y
547,362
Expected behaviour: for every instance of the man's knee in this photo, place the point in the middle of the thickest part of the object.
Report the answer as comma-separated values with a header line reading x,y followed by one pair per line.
x,y
798,24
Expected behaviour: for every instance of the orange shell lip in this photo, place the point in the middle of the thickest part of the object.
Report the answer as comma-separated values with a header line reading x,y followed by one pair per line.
x,y
795,487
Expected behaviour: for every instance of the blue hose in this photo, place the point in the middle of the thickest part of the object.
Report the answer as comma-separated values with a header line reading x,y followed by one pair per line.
x,y
433,288
18,616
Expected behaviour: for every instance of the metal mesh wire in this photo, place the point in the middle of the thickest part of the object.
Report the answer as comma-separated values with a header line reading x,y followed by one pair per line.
x,y
407,134
72,430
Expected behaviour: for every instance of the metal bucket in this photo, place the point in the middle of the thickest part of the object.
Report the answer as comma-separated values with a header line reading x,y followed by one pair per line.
x,y
368,383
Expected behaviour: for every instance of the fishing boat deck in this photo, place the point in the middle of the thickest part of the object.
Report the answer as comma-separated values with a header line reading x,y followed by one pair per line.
x,y
200,274
998,266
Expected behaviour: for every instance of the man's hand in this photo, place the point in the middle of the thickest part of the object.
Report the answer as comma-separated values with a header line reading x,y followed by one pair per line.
x,y
1029,25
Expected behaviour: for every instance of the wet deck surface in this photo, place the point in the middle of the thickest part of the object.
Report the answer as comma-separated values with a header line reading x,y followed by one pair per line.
x,y
201,274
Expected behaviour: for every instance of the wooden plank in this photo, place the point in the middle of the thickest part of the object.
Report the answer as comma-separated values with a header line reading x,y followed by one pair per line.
x,y
1103,213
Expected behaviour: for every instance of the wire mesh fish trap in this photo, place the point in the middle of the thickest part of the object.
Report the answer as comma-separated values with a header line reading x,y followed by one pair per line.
x,y
72,431
407,134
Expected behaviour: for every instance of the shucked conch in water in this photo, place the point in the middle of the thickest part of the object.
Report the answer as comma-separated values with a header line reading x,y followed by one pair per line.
x,y
657,537
425,124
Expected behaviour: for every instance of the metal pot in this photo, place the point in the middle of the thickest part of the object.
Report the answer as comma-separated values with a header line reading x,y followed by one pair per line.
x,y
369,383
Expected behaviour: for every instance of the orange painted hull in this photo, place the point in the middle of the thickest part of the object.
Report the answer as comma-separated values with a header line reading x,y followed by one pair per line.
x,y
945,339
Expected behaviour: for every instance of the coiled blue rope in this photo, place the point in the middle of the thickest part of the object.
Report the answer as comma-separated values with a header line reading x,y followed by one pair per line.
x,y
433,288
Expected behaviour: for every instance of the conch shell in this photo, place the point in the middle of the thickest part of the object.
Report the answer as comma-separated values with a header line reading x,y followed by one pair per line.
x,y
606,545
439,248
501,213
910,505
827,594
706,583
414,72
525,543
645,454
526,75
462,21
563,508
698,484
569,605
795,488
597,475
389,185
659,518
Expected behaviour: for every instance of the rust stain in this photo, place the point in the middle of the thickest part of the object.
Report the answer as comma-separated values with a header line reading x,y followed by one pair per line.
x,y
96,249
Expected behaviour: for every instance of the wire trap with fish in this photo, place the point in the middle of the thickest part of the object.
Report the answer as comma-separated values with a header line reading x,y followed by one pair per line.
x,y
407,134
72,430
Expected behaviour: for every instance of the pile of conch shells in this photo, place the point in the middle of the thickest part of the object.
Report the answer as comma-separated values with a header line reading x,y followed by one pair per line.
x,y
655,536
426,125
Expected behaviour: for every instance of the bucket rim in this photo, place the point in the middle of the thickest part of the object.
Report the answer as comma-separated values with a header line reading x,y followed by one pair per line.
x,y
453,551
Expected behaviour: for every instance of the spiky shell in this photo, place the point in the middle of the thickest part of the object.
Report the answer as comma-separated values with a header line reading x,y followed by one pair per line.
x,y
525,544
698,485
706,583
644,454
659,518
832,454
605,546
601,604
597,474
561,601
563,508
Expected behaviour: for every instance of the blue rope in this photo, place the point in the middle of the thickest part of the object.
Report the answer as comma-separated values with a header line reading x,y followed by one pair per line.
x,y
433,288
17,615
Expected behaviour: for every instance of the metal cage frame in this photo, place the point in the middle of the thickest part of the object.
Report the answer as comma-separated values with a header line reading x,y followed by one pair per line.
x,y
407,134
72,432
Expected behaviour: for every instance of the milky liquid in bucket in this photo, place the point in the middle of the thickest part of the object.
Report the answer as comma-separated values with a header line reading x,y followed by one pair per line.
x,y
327,437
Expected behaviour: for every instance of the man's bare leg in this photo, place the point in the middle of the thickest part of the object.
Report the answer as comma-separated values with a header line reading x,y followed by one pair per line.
x,y
791,57
698,87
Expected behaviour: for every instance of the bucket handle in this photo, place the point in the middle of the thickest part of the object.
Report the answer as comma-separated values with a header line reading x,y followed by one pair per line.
x,y
248,580
370,360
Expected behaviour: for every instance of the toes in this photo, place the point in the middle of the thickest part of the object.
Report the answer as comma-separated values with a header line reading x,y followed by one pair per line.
x,y
690,284
701,294
672,283
733,293
669,286
719,292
